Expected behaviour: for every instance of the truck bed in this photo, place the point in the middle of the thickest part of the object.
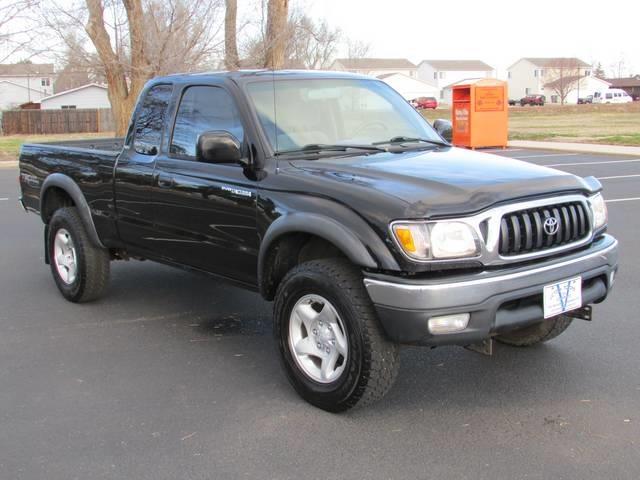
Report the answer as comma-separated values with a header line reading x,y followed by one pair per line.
x,y
89,163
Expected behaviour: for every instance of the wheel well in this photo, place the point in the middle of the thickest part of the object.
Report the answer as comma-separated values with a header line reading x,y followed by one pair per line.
x,y
54,199
288,251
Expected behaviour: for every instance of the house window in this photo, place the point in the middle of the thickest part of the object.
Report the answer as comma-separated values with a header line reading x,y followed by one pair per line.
x,y
587,73
68,107
554,98
535,73
435,75
45,82
527,91
509,74
542,73
441,74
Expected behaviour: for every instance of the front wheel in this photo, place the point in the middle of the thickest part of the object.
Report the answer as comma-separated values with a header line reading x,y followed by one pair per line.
x,y
537,333
331,344
80,269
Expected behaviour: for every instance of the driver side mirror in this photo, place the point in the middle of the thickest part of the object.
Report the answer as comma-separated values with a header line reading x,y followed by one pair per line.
x,y
218,147
444,128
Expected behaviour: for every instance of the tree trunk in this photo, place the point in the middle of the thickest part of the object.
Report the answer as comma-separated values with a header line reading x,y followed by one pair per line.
x,y
278,11
122,93
231,60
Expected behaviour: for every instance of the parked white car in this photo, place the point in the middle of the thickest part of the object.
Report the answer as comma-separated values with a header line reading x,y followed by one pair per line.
x,y
612,95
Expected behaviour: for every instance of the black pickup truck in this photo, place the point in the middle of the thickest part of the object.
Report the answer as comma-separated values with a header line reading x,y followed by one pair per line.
x,y
329,194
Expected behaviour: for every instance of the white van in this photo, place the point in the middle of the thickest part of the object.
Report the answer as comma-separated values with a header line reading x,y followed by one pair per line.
x,y
612,95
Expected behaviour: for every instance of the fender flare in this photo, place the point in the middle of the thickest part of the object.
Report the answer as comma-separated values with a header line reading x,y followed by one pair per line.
x,y
345,239
70,187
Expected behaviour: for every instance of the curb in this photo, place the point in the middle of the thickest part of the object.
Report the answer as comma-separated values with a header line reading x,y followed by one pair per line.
x,y
578,147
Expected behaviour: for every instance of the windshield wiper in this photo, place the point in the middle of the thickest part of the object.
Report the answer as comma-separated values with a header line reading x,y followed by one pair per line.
x,y
338,147
402,139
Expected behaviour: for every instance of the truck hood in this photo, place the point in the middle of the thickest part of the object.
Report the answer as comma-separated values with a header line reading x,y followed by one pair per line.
x,y
433,183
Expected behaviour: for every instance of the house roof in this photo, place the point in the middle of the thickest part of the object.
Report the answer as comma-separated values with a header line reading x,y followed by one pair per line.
x,y
25,69
624,82
59,94
459,65
385,76
548,62
374,63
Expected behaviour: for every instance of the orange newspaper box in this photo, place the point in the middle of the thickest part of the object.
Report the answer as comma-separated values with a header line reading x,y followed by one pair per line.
x,y
480,114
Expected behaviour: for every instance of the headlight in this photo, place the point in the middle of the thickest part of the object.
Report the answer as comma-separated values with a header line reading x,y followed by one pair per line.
x,y
437,240
599,210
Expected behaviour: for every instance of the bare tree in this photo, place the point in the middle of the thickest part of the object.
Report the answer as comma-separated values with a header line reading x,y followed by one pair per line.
x,y
564,75
17,32
309,44
357,49
277,15
231,60
135,40
618,68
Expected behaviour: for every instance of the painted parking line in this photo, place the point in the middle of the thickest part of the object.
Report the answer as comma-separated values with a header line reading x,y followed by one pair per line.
x,y
614,200
3,199
617,176
590,163
504,150
541,155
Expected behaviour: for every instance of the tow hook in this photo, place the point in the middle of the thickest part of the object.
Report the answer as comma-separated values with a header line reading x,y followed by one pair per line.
x,y
583,313
484,347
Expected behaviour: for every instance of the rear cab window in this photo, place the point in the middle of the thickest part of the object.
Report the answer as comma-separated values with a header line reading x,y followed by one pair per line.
x,y
147,131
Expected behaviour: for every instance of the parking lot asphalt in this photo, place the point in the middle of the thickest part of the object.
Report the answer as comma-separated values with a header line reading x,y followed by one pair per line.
x,y
175,376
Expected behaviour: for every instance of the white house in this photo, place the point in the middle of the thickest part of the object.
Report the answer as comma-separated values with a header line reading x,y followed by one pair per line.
x,y
374,66
530,76
578,87
12,95
25,82
91,95
442,73
408,87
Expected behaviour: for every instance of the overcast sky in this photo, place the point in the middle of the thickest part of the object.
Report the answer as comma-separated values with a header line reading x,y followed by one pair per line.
x,y
498,32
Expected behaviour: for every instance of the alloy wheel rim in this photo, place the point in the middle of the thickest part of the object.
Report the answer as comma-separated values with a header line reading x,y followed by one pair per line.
x,y
64,256
318,339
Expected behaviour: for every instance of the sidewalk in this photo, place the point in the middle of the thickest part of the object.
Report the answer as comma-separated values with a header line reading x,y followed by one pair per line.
x,y
578,147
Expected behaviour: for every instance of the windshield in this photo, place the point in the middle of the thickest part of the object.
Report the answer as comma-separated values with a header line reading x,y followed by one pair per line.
x,y
305,112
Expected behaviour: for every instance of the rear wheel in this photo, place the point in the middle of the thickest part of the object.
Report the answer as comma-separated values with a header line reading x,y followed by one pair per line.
x,y
331,344
79,268
538,333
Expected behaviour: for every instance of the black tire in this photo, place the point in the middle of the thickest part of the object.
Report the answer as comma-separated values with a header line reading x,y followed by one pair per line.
x,y
538,333
92,262
373,361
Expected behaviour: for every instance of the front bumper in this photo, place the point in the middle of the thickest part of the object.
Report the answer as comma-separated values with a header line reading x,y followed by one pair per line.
x,y
497,301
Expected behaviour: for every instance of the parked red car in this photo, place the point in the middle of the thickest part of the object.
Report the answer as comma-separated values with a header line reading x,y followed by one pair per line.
x,y
533,100
424,102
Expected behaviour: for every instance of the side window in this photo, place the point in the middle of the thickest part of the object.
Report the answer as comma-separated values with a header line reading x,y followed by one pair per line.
x,y
148,127
203,109
609,96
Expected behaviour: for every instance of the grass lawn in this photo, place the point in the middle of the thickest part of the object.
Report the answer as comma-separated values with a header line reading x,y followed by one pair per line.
x,y
605,124
10,145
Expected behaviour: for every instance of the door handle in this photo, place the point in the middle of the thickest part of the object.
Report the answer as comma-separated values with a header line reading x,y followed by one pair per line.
x,y
165,181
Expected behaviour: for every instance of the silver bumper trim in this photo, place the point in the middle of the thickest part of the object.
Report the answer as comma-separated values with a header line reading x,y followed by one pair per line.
x,y
434,295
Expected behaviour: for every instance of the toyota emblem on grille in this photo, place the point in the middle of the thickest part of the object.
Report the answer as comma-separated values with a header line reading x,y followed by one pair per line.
x,y
551,226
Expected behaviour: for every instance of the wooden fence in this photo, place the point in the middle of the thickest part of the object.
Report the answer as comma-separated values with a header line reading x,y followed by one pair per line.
x,y
30,122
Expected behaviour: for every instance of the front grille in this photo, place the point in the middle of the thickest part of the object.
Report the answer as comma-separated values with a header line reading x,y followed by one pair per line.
x,y
524,231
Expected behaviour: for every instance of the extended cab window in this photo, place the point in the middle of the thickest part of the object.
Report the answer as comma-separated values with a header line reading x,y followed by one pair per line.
x,y
203,109
148,128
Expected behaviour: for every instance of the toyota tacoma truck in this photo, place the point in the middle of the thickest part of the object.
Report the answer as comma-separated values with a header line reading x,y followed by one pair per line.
x,y
331,196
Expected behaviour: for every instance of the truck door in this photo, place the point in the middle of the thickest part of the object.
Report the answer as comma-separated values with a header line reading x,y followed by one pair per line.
x,y
134,170
206,213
